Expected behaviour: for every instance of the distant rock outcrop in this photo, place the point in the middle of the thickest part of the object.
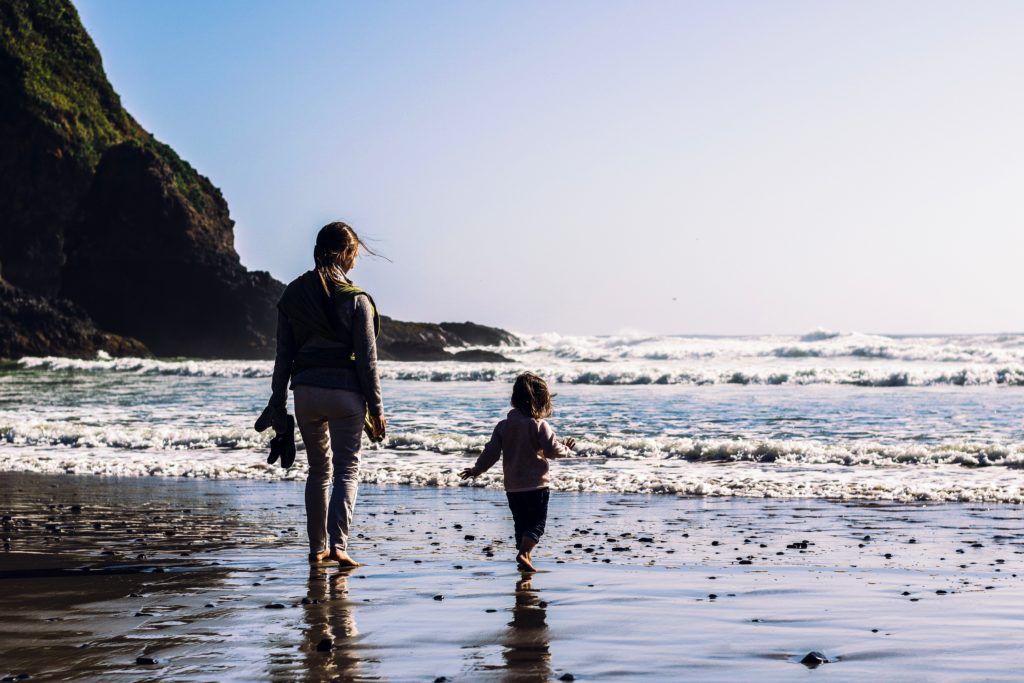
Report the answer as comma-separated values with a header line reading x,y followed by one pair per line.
x,y
427,341
95,210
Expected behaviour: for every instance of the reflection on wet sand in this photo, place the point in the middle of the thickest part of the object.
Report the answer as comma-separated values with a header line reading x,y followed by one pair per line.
x,y
331,626
527,646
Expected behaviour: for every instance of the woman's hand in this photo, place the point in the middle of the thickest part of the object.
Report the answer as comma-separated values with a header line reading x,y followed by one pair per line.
x,y
569,443
467,473
380,425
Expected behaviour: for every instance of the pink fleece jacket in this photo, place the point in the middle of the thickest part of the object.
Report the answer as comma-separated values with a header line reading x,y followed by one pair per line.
x,y
525,444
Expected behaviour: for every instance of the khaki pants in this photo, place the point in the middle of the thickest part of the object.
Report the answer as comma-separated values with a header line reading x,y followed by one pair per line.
x,y
331,423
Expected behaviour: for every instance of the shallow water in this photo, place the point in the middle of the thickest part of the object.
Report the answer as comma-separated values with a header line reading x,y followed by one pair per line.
x,y
625,591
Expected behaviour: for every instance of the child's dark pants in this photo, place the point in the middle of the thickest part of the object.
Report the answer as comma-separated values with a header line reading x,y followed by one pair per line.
x,y
529,512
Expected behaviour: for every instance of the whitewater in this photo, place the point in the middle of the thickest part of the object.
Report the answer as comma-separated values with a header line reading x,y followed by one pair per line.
x,y
821,415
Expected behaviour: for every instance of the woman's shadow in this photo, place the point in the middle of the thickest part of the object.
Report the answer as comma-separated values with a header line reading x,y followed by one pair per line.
x,y
527,645
330,647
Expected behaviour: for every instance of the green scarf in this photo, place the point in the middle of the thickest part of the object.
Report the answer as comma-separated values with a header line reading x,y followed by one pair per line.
x,y
307,308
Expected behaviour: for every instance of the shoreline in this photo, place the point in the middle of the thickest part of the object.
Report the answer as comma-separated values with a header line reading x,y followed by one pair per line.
x,y
625,587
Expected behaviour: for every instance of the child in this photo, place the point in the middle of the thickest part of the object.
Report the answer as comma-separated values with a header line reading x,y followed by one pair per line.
x,y
526,442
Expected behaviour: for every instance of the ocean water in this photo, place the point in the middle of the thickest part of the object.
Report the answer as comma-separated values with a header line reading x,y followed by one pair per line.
x,y
822,415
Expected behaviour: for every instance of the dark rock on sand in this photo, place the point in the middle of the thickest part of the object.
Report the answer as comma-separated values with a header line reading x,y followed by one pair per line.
x,y
567,677
36,325
439,598
274,605
814,659
146,661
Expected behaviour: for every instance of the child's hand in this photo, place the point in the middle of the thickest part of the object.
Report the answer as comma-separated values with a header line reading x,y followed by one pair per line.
x,y
570,443
467,473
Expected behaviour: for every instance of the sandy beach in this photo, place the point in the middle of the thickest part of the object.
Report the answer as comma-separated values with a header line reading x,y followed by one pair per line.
x,y
180,579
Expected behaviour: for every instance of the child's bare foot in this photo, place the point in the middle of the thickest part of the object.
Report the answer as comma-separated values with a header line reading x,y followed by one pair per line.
x,y
342,558
525,562
317,558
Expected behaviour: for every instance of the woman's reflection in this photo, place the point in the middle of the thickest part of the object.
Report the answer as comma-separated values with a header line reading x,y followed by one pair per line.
x,y
331,626
526,643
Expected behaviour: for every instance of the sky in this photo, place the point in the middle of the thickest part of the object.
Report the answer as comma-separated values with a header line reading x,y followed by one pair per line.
x,y
594,167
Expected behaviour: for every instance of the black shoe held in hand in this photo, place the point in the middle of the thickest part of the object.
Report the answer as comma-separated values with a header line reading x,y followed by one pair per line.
x,y
283,445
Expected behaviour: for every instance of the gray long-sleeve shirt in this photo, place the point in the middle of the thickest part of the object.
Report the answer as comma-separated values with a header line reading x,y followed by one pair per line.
x,y
355,315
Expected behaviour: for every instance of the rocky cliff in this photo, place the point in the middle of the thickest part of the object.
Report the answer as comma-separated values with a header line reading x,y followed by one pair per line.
x,y
97,212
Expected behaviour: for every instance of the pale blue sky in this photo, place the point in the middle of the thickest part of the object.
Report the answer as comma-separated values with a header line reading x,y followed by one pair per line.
x,y
589,167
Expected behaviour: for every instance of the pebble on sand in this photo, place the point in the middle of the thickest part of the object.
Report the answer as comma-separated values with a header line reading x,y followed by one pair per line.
x,y
814,659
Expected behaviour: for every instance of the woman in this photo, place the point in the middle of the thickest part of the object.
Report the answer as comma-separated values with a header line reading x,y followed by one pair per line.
x,y
326,345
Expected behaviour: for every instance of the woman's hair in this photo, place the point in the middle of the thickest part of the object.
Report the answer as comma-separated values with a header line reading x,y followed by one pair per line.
x,y
337,245
531,397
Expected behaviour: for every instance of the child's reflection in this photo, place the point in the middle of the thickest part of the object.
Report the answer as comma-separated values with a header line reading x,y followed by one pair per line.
x,y
526,641
331,626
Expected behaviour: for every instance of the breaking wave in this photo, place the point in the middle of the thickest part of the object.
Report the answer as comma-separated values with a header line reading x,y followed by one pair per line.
x,y
593,372
639,448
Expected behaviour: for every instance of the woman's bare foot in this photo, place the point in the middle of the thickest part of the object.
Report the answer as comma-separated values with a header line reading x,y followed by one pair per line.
x,y
343,558
317,558
525,562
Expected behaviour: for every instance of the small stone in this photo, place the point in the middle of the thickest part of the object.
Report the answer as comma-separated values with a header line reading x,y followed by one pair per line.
x,y
469,537
439,597
274,605
814,659
441,679
325,645
712,596
147,661
567,677
306,601
209,604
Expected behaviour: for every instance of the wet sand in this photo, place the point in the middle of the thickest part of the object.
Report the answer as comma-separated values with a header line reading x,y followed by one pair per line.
x,y
138,579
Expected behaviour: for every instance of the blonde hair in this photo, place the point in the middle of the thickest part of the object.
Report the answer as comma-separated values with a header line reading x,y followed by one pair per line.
x,y
337,246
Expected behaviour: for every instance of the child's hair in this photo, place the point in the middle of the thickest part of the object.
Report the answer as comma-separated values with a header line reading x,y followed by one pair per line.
x,y
531,397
